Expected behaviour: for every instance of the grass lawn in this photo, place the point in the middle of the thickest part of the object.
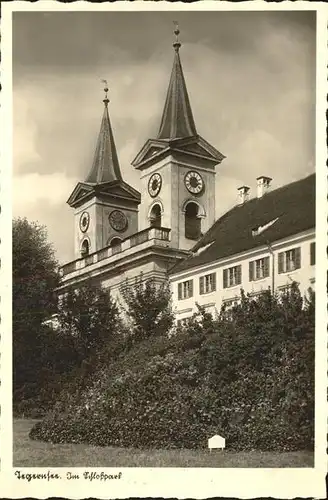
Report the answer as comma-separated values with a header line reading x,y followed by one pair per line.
x,y
28,453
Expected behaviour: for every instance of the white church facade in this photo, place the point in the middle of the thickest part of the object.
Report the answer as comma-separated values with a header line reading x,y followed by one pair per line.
x,y
169,229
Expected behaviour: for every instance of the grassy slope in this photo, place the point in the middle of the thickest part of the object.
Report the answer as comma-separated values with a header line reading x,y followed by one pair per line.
x,y
28,453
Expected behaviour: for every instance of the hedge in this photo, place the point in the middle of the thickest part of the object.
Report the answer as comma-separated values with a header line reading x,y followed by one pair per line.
x,y
248,376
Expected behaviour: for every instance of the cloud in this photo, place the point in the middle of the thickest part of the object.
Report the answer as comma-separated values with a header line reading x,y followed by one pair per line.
x,y
32,190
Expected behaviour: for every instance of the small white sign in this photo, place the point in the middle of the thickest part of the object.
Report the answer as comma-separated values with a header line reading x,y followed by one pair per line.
x,y
216,442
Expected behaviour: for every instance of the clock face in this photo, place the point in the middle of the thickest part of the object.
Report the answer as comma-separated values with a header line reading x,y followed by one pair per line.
x,y
118,220
194,182
84,221
154,185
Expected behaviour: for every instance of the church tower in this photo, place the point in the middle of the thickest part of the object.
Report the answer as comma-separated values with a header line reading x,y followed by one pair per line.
x,y
106,207
178,169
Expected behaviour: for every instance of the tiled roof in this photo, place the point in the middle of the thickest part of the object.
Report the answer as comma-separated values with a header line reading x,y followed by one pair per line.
x,y
292,205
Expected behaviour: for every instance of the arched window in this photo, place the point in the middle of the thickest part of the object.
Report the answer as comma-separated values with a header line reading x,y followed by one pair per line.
x,y
155,216
85,248
114,242
192,221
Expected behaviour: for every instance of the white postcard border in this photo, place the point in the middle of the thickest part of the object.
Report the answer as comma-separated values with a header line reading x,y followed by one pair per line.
x,y
165,482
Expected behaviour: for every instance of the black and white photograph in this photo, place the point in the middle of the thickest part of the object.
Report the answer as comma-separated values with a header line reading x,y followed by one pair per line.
x,y
167,299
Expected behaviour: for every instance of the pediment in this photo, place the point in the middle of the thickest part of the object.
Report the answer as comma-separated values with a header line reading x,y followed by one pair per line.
x,y
80,192
152,149
118,189
195,146
199,147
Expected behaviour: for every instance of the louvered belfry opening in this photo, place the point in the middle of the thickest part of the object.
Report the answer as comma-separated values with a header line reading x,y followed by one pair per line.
x,y
156,216
192,222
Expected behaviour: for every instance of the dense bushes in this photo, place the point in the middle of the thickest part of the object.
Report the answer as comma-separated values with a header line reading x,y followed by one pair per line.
x,y
249,375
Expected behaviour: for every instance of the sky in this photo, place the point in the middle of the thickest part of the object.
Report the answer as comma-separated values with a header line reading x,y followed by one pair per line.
x,y
250,78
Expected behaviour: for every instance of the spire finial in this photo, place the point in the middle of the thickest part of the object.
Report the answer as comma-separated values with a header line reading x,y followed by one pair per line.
x,y
106,100
177,43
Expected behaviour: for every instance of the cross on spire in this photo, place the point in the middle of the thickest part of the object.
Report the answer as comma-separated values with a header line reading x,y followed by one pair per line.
x,y
177,43
106,89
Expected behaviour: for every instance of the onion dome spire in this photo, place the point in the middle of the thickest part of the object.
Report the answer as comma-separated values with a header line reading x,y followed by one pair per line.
x,y
105,167
177,119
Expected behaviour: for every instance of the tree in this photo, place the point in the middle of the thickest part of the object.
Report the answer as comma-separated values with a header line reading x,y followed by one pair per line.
x,y
89,315
34,280
148,306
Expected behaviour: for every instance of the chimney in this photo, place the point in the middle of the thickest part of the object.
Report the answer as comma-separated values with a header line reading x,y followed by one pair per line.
x,y
243,194
263,185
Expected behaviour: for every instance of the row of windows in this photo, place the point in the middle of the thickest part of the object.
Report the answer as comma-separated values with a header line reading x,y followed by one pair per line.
x,y
229,304
288,261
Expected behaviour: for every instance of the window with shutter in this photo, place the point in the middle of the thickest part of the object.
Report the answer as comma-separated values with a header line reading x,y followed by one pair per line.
x,y
266,267
185,289
281,263
251,271
213,282
297,258
232,276
312,254
225,278
259,269
207,284
238,275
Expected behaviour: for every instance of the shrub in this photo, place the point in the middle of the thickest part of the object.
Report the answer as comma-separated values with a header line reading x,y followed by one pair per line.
x,y
248,376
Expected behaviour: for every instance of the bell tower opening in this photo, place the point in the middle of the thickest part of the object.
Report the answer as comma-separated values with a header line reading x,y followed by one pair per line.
x,y
155,217
192,221
114,242
85,248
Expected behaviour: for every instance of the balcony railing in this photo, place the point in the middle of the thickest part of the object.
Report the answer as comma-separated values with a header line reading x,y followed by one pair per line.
x,y
151,233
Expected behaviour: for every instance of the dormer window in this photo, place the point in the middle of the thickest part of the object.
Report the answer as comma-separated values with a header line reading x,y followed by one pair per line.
x,y
256,231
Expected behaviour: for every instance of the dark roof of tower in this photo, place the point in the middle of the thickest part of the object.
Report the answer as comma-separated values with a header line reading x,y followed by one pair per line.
x,y
105,167
284,212
177,119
